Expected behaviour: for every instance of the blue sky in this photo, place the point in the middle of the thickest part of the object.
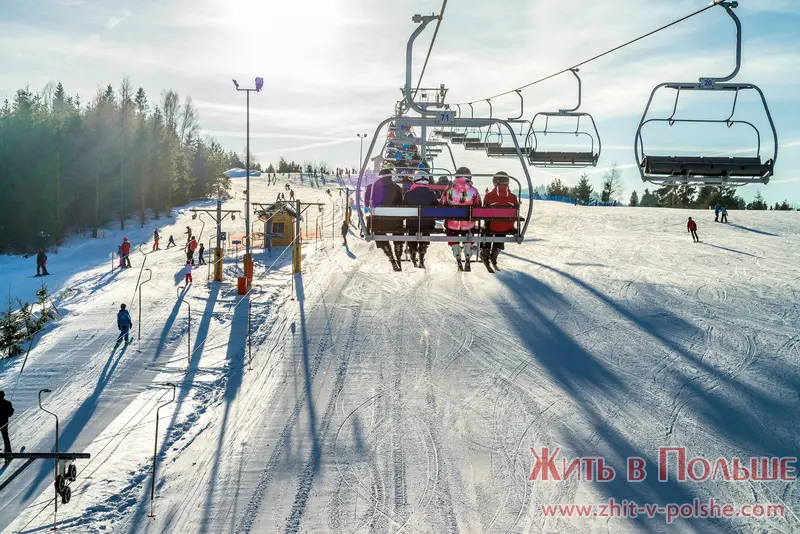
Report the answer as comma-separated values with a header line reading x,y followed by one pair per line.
x,y
333,69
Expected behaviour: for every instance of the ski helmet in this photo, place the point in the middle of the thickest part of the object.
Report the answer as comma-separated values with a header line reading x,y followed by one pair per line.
x,y
500,178
122,306
421,178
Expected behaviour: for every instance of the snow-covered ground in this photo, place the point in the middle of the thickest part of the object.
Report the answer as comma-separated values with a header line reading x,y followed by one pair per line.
x,y
383,402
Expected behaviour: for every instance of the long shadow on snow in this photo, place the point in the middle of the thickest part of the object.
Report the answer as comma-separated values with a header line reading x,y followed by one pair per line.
x,y
183,390
736,421
583,377
721,406
729,249
248,515
761,232
236,363
69,434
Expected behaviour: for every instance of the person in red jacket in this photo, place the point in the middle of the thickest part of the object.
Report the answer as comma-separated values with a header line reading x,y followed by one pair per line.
x,y
692,227
190,248
500,196
125,250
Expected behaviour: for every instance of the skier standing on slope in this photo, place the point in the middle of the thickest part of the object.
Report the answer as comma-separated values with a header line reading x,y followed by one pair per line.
x,y
420,195
156,238
461,193
345,230
692,227
717,209
724,214
6,411
171,242
500,196
190,248
124,323
41,263
188,271
125,250
201,253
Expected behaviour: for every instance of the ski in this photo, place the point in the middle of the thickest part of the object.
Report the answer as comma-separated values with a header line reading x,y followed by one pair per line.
x,y
8,462
488,267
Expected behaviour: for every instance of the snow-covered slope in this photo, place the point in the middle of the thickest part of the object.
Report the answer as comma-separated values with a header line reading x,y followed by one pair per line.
x,y
383,402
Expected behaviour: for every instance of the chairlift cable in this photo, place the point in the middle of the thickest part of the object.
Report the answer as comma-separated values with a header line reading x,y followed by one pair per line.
x,y
430,48
607,52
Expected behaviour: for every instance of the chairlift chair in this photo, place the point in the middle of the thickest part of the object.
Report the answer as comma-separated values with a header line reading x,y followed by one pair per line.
x,y
709,170
540,157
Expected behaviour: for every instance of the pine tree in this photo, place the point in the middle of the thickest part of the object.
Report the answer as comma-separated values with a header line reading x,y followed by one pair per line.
x,y
584,191
757,203
634,201
649,200
557,188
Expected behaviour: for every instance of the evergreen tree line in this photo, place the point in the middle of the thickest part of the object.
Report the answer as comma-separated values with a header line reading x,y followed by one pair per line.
x,y
308,167
667,196
610,188
69,166
701,197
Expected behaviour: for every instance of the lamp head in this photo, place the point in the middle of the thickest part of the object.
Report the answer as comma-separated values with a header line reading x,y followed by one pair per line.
x,y
236,83
259,84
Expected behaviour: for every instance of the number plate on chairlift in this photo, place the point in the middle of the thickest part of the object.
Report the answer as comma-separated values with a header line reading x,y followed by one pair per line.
x,y
445,117
708,83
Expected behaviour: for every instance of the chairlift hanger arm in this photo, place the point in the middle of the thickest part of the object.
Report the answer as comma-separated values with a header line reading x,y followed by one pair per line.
x,y
580,88
423,21
521,106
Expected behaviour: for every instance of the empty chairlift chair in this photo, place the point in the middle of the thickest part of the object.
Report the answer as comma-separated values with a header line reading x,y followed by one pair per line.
x,y
587,154
697,169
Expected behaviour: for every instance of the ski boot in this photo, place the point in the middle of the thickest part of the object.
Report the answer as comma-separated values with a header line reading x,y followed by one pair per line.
x,y
460,265
414,259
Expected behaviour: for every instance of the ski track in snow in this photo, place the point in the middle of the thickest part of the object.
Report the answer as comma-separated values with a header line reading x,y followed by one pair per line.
x,y
409,402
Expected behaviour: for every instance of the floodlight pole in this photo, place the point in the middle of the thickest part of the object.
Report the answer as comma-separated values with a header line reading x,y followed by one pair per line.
x,y
361,150
248,257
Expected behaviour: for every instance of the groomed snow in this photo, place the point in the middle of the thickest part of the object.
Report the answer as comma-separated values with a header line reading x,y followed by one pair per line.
x,y
384,402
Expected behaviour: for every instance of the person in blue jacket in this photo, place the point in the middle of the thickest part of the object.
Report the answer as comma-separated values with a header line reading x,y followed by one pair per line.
x,y
717,209
124,324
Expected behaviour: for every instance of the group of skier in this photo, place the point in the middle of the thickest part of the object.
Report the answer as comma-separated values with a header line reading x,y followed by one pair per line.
x,y
387,191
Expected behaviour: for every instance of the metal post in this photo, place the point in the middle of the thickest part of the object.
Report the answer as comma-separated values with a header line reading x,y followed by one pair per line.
x,y
298,245
139,330
247,252
55,513
249,334
155,454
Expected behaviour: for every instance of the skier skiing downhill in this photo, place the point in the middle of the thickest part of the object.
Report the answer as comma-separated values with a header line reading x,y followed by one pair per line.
x,y
420,195
500,196
41,263
461,193
124,323
384,192
691,226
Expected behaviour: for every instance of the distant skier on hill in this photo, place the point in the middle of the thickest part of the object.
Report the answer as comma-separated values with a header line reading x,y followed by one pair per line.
x,y
6,411
717,209
156,239
125,250
41,263
724,214
692,227
171,242
124,323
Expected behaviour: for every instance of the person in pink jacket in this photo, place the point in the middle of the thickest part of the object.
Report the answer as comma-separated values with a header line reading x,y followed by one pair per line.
x,y
461,193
